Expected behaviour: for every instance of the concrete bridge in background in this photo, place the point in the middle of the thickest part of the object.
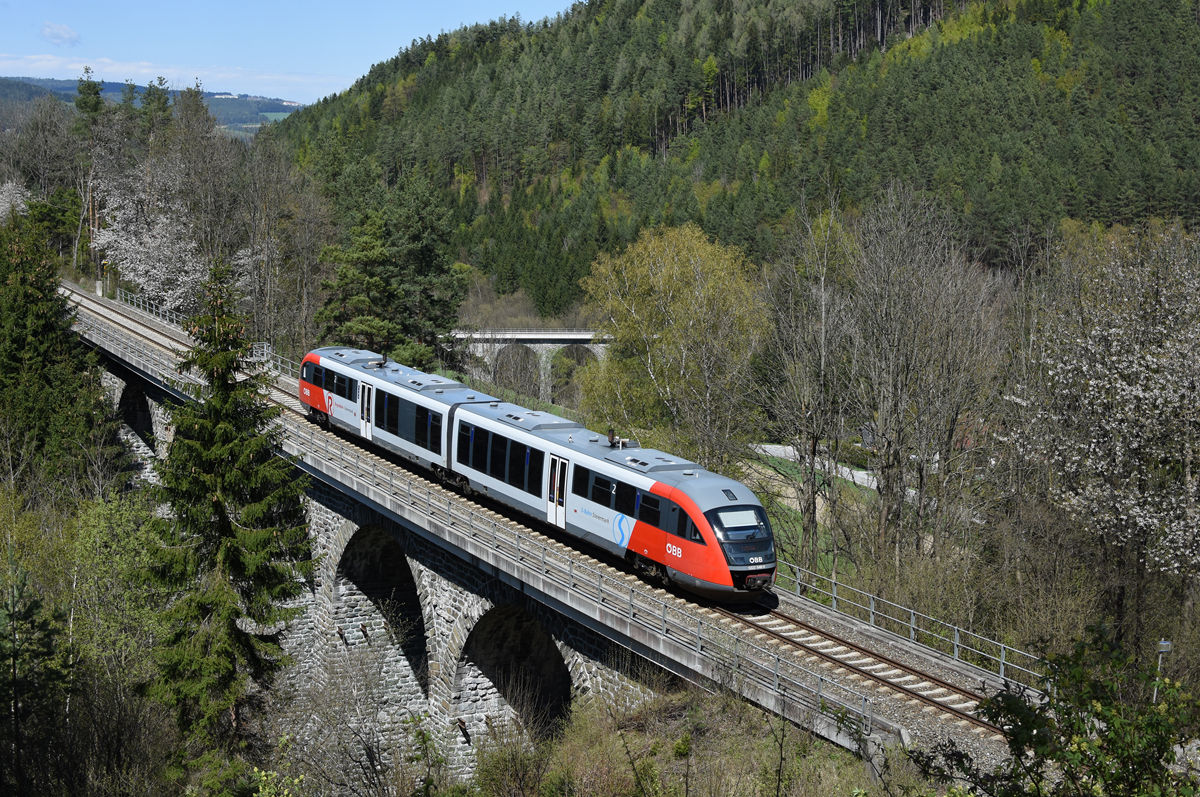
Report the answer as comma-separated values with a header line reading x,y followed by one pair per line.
x,y
524,359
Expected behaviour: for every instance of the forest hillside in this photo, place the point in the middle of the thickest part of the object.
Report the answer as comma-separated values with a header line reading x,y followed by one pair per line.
x,y
560,139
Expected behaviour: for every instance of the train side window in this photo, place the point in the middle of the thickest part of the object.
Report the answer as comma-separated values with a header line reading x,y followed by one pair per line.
x,y
579,484
537,461
392,421
435,432
626,502
602,490
464,444
479,450
343,386
693,533
405,420
685,526
306,373
381,409
517,457
318,377
674,518
499,450
421,426
649,511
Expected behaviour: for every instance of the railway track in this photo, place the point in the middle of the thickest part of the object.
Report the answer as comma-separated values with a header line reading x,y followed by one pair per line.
x,y
843,658
862,664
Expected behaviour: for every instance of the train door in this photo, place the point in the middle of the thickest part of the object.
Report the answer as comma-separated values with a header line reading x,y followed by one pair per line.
x,y
556,496
364,410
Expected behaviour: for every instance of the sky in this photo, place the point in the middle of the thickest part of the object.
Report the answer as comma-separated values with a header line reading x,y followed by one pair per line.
x,y
302,50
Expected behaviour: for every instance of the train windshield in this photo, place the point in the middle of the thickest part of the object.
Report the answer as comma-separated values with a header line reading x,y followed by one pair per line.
x,y
740,523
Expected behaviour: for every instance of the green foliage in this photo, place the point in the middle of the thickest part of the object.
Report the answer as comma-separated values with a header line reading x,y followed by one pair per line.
x,y
684,319
395,289
50,397
1094,733
117,611
235,546
89,102
559,140
269,783
33,677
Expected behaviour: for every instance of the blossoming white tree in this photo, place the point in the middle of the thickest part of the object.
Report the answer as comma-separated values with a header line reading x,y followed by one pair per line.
x,y
164,176
1119,421
147,235
13,197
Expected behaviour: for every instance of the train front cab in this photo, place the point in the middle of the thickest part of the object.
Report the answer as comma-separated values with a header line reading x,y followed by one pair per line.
x,y
737,563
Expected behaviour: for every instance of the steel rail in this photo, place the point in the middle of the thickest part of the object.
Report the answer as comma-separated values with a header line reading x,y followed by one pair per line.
x,y
860,668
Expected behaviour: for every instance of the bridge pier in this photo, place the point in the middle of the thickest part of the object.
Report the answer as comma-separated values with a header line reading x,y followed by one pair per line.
x,y
453,644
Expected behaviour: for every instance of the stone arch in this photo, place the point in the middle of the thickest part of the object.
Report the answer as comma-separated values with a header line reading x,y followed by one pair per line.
x,y
510,673
564,385
134,409
375,602
516,367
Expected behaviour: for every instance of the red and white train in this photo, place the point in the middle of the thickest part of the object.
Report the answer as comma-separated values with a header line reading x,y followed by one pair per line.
x,y
670,517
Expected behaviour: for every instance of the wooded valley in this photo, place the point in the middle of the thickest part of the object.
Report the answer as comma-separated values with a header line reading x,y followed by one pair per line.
x,y
951,246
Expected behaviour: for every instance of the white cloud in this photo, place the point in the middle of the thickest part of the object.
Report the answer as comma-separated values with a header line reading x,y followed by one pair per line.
x,y
59,34
299,86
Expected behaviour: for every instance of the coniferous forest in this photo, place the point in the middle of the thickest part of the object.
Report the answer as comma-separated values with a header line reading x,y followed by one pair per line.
x,y
560,139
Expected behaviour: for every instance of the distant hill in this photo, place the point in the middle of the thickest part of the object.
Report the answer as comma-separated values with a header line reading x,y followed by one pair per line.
x,y
66,88
237,112
12,90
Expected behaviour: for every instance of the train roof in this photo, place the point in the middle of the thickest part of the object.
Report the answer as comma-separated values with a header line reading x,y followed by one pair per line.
x,y
388,370
707,488
659,465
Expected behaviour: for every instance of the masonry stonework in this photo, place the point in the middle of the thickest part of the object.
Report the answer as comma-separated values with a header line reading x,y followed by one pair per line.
x,y
461,648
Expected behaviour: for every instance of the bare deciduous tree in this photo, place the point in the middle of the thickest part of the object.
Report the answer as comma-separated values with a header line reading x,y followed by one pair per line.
x,y
807,356
925,332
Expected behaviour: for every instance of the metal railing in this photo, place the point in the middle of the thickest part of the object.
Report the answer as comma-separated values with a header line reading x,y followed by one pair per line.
x,y
156,363
732,659
1004,660
732,655
264,354
139,302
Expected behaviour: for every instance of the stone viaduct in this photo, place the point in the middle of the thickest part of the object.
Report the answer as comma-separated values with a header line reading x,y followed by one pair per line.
x,y
431,614
410,634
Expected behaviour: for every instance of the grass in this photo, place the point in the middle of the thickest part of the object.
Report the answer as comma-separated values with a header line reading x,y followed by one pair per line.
x,y
685,742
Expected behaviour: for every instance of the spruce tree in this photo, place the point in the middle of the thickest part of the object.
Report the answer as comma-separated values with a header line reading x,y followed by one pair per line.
x,y
33,678
51,403
234,547
396,289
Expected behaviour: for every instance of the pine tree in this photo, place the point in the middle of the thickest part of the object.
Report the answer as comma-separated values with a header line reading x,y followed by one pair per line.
x,y
235,546
395,289
33,676
50,400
